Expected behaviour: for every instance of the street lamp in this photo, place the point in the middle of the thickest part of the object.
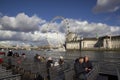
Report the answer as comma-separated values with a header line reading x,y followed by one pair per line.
x,y
81,45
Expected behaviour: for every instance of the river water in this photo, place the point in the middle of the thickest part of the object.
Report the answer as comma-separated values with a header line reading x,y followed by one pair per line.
x,y
111,56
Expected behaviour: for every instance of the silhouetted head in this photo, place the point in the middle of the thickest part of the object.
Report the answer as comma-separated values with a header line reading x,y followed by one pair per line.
x,y
86,58
81,59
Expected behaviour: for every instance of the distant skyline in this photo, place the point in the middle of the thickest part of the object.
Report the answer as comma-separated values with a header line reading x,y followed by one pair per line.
x,y
27,20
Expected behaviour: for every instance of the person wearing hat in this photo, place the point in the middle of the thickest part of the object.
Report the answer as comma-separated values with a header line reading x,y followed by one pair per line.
x,y
61,60
10,53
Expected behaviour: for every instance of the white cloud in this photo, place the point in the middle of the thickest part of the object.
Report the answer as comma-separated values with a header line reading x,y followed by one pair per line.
x,y
37,36
115,29
33,29
21,22
90,29
49,27
107,6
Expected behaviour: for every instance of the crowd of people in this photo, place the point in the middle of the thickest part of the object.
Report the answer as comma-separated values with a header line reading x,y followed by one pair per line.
x,y
37,58
50,62
82,65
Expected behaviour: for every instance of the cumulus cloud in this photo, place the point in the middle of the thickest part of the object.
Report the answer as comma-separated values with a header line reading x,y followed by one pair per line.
x,y
107,6
86,29
49,27
36,37
21,22
34,30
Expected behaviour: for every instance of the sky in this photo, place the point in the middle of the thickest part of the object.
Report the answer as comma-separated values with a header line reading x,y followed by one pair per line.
x,y
35,21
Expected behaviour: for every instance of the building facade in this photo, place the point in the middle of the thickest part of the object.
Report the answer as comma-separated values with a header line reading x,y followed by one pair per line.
x,y
105,42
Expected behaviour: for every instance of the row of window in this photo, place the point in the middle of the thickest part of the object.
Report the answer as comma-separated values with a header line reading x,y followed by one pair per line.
x,y
73,46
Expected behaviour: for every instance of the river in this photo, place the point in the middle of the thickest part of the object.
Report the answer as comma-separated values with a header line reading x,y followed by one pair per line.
x,y
111,56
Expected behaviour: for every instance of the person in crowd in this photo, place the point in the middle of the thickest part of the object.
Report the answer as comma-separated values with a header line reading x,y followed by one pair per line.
x,y
87,64
50,62
16,54
9,63
42,58
80,71
10,53
36,58
56,63
39,58
49,65
23,57
61,60
39,77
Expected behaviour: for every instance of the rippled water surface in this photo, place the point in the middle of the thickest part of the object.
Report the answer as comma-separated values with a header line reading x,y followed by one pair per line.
x,y
113,56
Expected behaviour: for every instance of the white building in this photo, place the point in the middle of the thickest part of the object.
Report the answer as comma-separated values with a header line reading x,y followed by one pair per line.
x,y
89,42
105,42
111,42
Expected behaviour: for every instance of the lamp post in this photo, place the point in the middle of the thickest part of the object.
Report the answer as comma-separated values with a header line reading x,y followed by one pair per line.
x,y
81,39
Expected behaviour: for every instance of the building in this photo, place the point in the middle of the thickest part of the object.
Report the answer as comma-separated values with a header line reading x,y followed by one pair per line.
x,y
112,42
72,41
89,43
105,42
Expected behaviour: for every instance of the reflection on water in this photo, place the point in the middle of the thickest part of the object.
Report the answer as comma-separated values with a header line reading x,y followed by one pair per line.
x,y
113,56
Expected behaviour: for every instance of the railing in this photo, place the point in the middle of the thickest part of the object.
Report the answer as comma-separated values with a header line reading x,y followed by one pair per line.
x,y
57,72
7,74
108,68
118,71
27,65
11,77
69,74
92,75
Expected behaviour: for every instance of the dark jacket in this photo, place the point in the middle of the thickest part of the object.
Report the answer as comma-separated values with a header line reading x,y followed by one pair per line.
x,y
49,62
88,65
79,68
10,53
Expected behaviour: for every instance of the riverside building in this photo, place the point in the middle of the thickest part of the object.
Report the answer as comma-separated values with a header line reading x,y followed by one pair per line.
x,y
74,42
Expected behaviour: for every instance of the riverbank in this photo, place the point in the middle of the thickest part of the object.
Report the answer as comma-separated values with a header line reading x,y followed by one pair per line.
x,y
94,49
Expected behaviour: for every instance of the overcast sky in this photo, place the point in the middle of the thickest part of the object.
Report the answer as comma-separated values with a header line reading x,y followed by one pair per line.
x,y
29,20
